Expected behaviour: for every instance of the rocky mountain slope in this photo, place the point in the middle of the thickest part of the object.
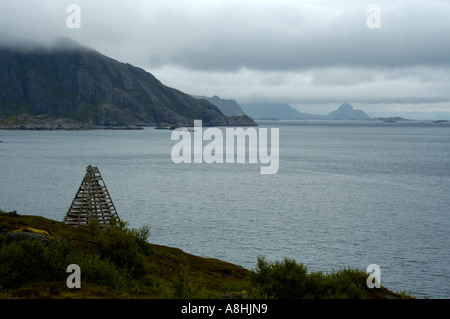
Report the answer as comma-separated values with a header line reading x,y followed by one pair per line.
x,y
69,81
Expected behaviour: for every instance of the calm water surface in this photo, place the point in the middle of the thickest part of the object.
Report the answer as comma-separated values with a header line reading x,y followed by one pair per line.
x,y
346,194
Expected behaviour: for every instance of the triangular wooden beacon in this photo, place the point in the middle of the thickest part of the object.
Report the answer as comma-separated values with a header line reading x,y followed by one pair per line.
x,y
92,201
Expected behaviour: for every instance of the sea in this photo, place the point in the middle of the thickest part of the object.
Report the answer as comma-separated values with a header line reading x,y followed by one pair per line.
x,y
346,194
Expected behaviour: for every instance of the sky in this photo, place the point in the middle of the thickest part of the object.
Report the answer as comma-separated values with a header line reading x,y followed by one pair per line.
x,y
388,58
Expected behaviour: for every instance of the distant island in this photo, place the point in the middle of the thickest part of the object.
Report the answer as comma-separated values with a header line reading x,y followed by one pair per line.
x,y
70,86
285,111
392,119
281,111
270,111
346,112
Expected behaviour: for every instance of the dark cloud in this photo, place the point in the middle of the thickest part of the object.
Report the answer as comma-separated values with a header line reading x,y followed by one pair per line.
x,y
229,35
300,52
273,36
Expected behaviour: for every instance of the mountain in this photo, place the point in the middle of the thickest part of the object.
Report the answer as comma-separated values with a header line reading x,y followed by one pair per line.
x,y
273,111
227,107
346,112
69,81
285,111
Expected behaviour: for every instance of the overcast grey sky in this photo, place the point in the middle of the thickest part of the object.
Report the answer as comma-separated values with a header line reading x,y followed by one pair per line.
x,y
313,55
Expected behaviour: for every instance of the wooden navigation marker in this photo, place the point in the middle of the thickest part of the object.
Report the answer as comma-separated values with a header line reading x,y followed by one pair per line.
x,y
92,201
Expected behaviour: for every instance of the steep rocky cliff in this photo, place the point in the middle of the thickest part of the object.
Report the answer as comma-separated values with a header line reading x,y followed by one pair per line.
x,y
79,83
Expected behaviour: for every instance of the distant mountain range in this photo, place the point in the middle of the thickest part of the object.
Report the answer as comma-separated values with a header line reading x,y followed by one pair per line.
x,y
228,107
285,111
82,86
262,111
276,111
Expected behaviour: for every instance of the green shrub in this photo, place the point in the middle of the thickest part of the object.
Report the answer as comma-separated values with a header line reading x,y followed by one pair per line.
x,y
98,271
122,247
26,260
114,257
282,280
346,283
287,279
182,287
141,236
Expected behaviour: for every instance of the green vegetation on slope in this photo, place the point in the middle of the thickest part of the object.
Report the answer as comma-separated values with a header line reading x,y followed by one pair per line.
x,y
119,262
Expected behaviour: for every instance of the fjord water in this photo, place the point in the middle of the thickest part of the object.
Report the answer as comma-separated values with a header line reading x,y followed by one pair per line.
x,y
347,194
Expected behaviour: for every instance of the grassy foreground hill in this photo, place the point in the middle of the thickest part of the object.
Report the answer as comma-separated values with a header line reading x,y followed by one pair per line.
x,y
118,262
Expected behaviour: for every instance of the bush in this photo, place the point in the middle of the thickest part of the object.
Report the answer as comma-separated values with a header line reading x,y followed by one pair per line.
x,y
282,280
182,287
122,247
26,260
98,271
112,258
287,279
346,283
